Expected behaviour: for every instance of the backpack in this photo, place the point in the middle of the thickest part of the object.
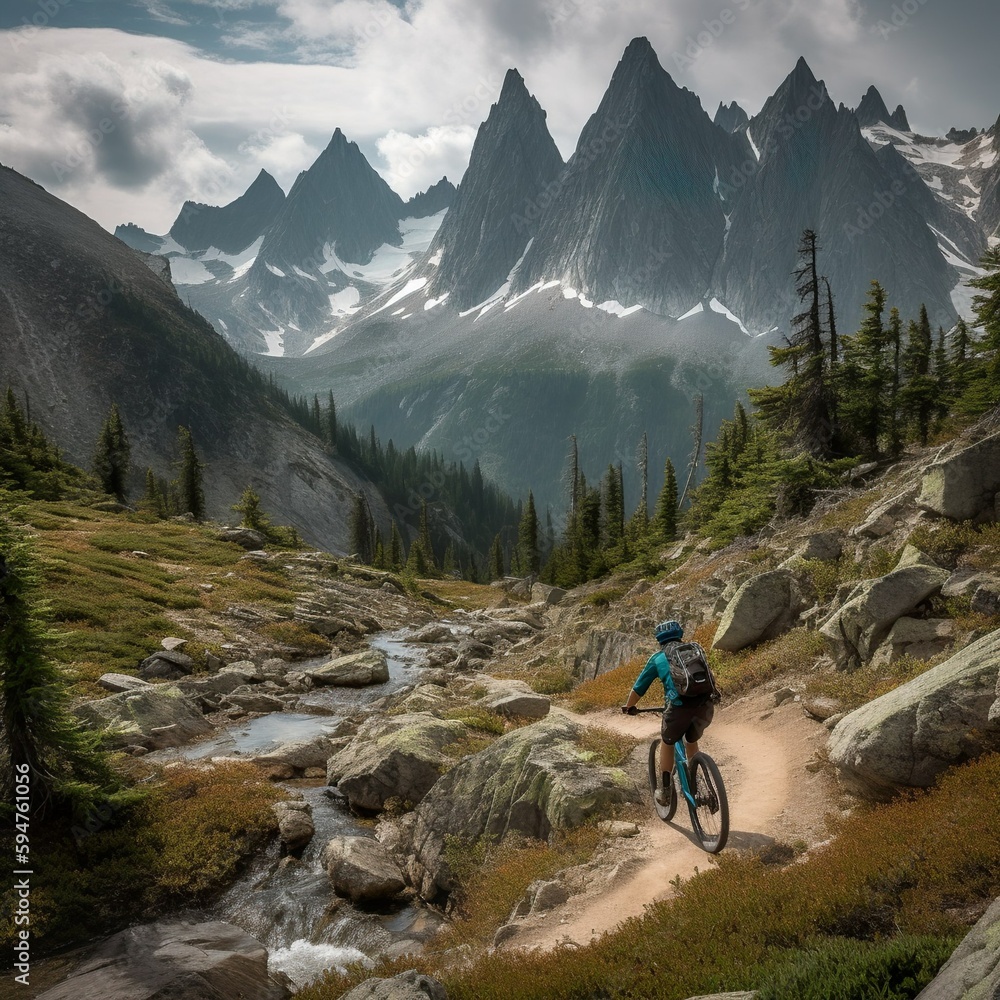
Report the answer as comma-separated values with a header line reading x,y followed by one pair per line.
x,y
690,672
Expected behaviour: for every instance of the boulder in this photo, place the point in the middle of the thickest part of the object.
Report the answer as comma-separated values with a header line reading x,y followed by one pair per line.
x,y
909,736
411,985
601,650
986,599
246,538
921,638
395,756
355,670
154,717
167,664
362,869
298,754
826,546
122,682
763,608
255,701
224,682
295,823
525,704
860,626
174,959
531,781
963,486
965,582
974,967
542,593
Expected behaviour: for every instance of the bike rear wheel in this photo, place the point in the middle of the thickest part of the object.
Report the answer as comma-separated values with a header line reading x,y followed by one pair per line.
x,y
666,812
710,813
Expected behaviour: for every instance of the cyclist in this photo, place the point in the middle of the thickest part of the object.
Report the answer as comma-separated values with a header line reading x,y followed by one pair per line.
x,y
687,717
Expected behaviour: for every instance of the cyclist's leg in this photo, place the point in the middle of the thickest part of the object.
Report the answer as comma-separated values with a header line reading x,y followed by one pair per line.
x,y
666,757
700,721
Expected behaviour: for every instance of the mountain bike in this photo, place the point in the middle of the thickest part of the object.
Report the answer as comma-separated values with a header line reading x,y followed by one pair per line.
x,y
702,787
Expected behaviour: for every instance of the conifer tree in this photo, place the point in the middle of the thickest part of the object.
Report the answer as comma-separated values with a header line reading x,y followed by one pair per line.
x,y
425,535
417,563
920,392
527,539
614,508
665,517
894,349
395,549
112,456
497,571
984,390
190,488
331,421
39,730
963,349
362,535
866,375
153,501
378,560
251,514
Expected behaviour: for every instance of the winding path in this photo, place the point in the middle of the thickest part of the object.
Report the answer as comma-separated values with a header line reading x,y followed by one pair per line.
x,y
762,752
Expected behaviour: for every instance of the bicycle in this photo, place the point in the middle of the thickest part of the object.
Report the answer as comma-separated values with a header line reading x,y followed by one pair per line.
x,y
705,794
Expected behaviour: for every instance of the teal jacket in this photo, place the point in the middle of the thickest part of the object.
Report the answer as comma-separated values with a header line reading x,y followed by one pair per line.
x,y
658,666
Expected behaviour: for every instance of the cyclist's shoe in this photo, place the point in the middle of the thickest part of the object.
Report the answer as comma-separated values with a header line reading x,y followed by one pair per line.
x,y
663,794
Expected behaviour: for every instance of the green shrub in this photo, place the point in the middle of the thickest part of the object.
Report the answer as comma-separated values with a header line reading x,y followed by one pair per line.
x,y
843,969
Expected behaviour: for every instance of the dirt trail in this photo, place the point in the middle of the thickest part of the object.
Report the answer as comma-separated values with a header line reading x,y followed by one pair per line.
x,y
762,752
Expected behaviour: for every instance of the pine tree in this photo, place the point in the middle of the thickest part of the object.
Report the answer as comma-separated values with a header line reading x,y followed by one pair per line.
x,y
984,390
641,517
152,501
963,349
425,535
378,560
802,404
331,421
497,571
39,730
920,392
894,347
866,375
249,509
665,517
417,563
527,539
190,489
395,549
614,508
448,563
112,456
362,542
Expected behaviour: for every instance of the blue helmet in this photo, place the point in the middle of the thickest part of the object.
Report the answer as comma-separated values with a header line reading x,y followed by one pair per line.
x,y
669,631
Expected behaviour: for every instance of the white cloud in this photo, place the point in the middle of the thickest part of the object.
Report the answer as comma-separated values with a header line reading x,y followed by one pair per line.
x,y
405,84
412,163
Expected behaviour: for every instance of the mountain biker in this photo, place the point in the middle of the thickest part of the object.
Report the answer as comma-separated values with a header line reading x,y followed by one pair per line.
x,y
687,717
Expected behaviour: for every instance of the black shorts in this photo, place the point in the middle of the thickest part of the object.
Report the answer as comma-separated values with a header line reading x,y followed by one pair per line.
x,y
689,721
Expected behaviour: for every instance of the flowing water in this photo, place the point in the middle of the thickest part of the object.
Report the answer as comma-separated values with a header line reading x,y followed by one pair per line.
x,y
287,904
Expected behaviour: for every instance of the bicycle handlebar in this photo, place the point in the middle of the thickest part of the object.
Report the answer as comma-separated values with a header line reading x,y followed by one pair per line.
x,y
639,711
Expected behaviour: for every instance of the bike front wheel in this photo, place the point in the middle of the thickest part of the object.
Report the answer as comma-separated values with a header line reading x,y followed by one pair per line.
x,y
665,812
710,813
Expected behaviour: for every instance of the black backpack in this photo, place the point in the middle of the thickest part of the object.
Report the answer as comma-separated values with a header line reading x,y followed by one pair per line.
x,y
690,672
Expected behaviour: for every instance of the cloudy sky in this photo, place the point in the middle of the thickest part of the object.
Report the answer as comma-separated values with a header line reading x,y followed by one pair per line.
x,y
125,108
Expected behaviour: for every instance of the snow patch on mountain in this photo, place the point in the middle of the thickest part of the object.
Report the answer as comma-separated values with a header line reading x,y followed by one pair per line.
x,y
716,306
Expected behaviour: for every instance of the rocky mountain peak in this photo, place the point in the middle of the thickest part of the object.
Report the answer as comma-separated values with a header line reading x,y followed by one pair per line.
x,y
730,117
873,110
233,227
497,206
